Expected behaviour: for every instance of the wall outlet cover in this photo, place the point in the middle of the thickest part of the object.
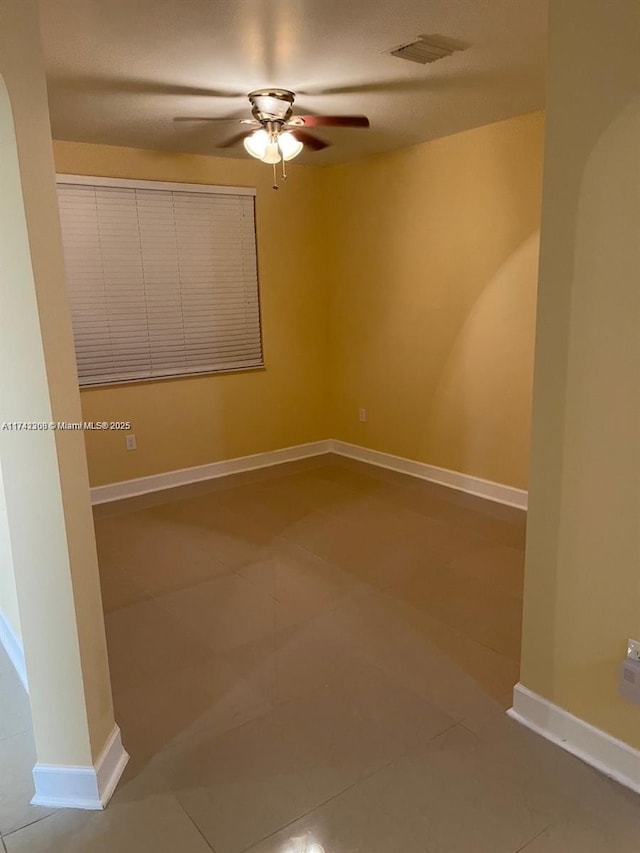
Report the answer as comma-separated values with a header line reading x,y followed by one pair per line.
x,y
633,650
630,681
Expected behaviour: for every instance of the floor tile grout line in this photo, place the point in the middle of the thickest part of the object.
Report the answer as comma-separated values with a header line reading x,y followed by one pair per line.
x,y
319,805
14,734
413,690
452,628
192,821
164,594
384,588
31,823
364,778
531,840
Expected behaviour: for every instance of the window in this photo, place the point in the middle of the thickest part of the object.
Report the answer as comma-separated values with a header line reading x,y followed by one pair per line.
x,y
162,278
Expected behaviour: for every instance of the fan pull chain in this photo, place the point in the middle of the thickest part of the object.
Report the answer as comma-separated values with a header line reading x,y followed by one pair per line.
x,y
275,178
284,170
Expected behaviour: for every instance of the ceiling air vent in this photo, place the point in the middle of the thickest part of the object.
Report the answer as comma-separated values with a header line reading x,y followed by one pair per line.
x,y
426,49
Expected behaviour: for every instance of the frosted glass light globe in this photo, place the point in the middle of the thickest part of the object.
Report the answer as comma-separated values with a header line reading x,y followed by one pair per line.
x,y
271,154
257,143
289,146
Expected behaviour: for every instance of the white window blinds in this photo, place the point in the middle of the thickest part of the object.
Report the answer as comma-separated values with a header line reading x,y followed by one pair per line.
x,y
162,282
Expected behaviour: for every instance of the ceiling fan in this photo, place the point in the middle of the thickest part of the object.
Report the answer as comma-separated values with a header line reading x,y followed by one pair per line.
x,y
274,134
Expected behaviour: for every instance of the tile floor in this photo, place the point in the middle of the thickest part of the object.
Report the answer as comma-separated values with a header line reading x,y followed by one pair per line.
x,y
318,654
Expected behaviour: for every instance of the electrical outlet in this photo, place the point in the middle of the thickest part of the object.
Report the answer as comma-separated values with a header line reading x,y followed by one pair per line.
x,y
362,415
630,681
633,650
130,441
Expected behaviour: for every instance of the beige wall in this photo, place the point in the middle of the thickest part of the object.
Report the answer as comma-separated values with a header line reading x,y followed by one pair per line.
x,y
433,280
44,474
582,595
184,422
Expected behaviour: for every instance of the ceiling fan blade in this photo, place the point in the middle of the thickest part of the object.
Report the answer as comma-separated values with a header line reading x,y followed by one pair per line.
x,y
308,139
234,140
335,121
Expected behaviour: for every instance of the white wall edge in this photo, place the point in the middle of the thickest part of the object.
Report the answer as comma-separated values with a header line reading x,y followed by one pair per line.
x,y
442,476
60,786
606,753
14,650
184,476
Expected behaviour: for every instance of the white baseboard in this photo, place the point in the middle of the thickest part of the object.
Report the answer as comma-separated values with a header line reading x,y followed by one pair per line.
x,y
13,648
611,756
452,479
59,786
184,476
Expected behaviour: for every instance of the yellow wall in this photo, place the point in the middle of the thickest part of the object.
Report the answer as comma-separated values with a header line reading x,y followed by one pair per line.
x,y
582,596
403,283
433,280
180,423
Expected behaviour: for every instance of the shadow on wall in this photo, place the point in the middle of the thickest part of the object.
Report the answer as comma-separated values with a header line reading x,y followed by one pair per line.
x,y
485,367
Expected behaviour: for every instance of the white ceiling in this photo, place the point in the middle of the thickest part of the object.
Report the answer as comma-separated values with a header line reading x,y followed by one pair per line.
x,y
120,70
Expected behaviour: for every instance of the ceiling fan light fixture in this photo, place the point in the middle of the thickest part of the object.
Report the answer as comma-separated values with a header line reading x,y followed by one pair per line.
x,y
274,134
289,146
256,144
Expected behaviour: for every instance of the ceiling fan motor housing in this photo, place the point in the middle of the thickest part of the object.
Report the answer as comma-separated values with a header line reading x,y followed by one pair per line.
x,y
272,105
